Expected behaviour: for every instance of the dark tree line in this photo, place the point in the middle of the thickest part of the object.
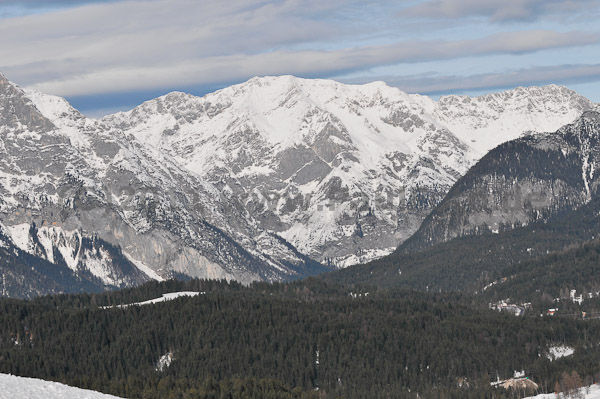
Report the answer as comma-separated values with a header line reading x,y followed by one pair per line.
x,y
299,340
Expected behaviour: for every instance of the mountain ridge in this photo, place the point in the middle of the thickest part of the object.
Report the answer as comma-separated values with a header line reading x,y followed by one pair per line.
x,y
518,210
344,172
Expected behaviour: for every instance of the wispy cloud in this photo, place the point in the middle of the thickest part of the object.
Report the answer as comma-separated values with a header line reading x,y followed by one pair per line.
x,y
14,8
435,83
49,3
96,38
499,10
94,66
92,47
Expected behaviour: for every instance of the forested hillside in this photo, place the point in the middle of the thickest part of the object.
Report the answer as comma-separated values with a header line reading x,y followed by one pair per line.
x,y
470,263
549,280
304,339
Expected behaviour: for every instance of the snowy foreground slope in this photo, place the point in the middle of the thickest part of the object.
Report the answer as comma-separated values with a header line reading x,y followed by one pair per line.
x,y
13,387
594,393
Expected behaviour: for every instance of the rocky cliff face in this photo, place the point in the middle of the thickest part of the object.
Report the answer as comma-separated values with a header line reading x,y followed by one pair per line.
x,y
25,274
67,181
533,178
344,173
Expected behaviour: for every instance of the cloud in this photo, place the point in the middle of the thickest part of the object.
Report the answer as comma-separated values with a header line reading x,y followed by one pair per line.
x,y
129,46
149,32
77,76
499,10
434,83
12,8
35,3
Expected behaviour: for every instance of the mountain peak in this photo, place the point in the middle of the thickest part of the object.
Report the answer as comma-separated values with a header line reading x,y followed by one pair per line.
x,y
271,79
311,143
517,92
313,87
5,84
18,111
539,91
176,95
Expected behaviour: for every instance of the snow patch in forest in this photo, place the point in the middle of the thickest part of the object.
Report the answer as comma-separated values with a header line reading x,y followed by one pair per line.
x,y
164,298
164,362
556,352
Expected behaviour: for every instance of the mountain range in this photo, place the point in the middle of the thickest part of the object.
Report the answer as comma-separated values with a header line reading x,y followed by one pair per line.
x,y
344,173
527,215
273,179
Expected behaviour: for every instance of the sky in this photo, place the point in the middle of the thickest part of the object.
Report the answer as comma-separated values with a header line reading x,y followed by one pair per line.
x,y
106,56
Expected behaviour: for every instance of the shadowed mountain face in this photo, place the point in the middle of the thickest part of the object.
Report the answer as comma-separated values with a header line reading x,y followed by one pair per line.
x,y
34,272
344,173
531,179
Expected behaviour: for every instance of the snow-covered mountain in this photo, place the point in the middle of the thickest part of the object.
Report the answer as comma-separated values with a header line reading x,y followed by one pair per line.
x,y
345,173
251,182
68,183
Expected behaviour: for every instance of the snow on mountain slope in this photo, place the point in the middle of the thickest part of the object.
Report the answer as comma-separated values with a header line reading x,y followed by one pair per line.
x,y
233,184
80,179
487,121
5,239
25,275
343,172
13,387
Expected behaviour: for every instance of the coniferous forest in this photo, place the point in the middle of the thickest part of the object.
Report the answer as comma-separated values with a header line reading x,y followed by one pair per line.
x,y
309,339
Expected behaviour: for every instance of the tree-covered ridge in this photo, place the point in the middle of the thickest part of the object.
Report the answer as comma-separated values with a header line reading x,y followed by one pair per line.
x,y
530,179
470,263
549,280
294,338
